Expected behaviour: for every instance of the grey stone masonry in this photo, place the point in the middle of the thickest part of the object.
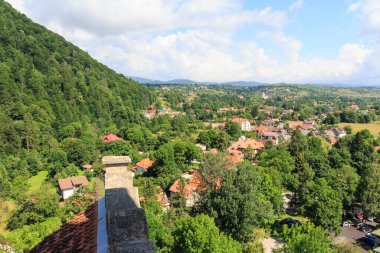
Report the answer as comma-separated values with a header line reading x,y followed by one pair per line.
x,y
127,228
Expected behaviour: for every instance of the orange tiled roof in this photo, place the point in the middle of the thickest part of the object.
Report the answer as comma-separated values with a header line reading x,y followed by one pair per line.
x,y
239,120
163,199
175,187
111,137
244,144
236,158
194,184
145,163
261,128
78,235
87,166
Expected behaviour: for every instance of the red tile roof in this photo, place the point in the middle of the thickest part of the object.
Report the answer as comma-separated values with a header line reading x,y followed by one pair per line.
x,y
81,180
87,166
65,184
244,144
70,182
239,120
78,235
145,163
236,158
194,184
111,137
261,128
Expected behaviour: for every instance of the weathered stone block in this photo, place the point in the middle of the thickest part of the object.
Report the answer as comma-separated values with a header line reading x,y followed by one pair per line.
x,y
126,225
118,179
122,198
111,161
140,246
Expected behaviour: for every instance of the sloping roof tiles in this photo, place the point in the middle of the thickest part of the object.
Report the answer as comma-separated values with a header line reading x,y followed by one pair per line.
x,y
111,137
78,235
65,184
145,163
70,182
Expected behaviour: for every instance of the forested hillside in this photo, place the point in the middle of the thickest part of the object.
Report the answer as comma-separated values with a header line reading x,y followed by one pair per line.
x,y
56,103
47,83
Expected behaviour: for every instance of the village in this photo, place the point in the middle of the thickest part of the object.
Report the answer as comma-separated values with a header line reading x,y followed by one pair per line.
x,y
249,137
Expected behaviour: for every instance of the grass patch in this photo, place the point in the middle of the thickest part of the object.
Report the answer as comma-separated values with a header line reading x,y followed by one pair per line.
x,y
6,207
97,185
374,128
36,181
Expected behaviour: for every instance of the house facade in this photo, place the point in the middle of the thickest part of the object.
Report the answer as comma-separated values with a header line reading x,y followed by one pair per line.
x,y
244,123
69,185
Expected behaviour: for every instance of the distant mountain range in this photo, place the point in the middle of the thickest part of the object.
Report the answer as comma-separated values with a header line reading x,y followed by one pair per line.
x,y
241,83
187,81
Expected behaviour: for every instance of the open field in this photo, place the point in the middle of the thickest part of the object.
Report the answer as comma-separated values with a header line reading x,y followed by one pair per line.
x,y
374,128
36,181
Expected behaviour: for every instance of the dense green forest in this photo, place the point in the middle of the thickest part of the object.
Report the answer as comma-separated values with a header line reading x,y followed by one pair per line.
x,y
56,103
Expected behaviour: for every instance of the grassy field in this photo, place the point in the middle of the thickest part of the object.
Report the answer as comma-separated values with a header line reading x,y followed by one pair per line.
x,y
6,207
36,181
374,128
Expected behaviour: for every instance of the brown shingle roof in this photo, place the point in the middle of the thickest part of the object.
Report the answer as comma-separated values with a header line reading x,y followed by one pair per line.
x,y
70,182
81,180
78,235
65,183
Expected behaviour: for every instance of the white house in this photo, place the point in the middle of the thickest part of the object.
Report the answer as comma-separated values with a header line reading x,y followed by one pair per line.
x,y
244,123
69,185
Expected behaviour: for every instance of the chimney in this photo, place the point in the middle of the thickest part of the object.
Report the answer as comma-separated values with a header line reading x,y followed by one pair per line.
x,y
127,227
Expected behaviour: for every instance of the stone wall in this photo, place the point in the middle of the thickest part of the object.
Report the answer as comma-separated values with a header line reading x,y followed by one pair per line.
x,y
127,227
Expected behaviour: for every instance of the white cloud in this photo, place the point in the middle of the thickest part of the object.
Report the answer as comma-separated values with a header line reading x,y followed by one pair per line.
x,y
354,6
195,39
291,45
369,12
296,5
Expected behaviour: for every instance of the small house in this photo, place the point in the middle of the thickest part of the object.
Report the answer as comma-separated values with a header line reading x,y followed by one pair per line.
x,y
69,185
244,123
87,167
188,190
144,165
271,136
111,137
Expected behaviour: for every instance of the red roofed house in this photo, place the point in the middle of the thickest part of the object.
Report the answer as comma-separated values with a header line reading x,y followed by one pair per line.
x,y
87,167
150,113
261,129
111,137
144,165
69,185
162,198
304,125
236,157
271,136
189,190
240,146
244,123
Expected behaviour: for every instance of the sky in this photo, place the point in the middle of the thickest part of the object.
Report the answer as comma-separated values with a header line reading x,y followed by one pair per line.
x,y
272,41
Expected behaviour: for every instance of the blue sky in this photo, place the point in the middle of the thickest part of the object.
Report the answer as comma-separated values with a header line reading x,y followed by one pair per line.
x,y
294,41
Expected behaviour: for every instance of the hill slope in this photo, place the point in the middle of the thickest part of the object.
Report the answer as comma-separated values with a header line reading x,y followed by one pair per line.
x,y
46,82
